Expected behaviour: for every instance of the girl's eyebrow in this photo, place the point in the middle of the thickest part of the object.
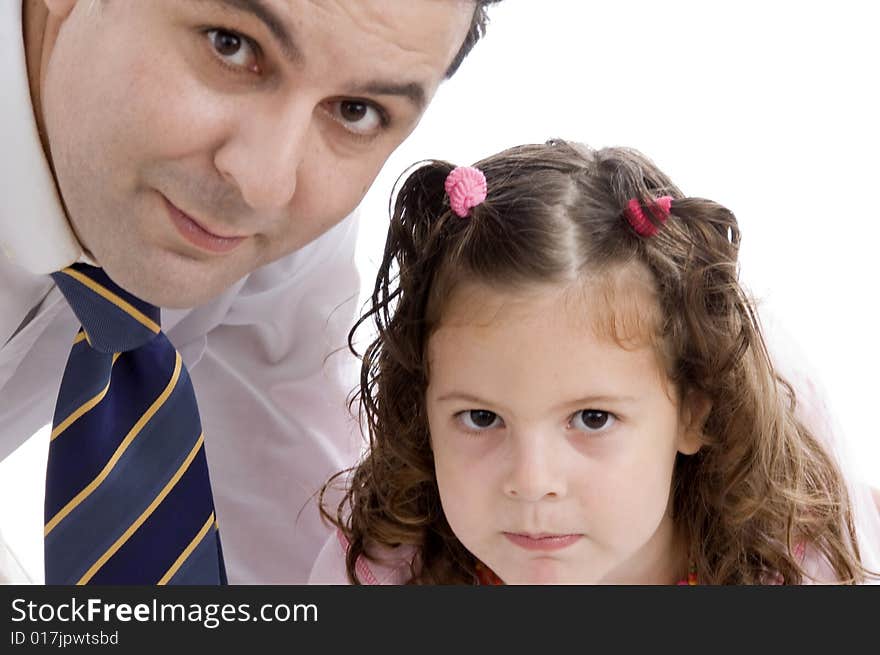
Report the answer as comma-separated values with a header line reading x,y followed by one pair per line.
x,y
599,400
464,397
580,402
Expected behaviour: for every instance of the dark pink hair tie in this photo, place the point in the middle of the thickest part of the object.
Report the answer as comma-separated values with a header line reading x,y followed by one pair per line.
x,y
643,226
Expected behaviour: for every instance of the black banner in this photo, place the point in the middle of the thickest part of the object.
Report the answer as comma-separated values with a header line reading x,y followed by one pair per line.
x,y
415,619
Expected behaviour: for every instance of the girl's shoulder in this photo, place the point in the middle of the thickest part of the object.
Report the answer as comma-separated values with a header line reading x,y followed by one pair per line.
x,y
817,570
385,566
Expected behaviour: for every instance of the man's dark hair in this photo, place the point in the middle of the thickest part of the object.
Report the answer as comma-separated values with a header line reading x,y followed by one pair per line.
x,y
475,33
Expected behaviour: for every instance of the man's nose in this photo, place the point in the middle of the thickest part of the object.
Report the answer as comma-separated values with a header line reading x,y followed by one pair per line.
x,y
264,152
536,471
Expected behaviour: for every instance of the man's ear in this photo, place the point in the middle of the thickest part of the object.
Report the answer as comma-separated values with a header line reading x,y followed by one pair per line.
x,y
60,9
695,408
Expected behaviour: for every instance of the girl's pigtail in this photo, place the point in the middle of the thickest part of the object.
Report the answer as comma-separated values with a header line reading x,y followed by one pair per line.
x,y
732,502
389,498
416,209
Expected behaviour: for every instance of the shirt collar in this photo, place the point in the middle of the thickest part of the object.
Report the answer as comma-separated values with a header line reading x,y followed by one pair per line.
x,y
34,231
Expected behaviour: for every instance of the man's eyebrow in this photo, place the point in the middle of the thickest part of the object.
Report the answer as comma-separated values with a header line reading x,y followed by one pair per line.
x,y
265,14
412,91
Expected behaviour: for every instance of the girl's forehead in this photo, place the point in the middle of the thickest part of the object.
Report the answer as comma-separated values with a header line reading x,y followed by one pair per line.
x,y
620,305
549,341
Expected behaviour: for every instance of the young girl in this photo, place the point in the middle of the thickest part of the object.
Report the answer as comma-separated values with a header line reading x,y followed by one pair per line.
x,y
569,385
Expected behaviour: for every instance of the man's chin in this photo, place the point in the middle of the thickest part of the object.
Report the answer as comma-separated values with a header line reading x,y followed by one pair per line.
x,y
182,300
167,286
176,298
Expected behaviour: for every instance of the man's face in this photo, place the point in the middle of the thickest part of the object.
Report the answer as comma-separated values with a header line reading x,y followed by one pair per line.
x,y
196,140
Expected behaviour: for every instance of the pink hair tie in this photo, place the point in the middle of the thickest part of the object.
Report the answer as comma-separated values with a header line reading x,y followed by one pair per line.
x,y
466,188
635,214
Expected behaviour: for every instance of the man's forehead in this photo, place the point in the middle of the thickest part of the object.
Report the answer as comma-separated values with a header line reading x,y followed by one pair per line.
x,y
283,17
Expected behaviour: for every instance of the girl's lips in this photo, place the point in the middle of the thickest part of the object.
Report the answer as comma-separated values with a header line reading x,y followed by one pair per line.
x,y
198,235
543,542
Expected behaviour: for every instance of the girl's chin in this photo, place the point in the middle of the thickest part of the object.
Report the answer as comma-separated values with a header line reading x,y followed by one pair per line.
x,y
542,573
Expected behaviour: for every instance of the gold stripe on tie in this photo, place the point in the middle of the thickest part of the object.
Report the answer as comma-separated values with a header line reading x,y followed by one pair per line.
x,y
187,551
105,293
80,336
85,407
82,495
119,543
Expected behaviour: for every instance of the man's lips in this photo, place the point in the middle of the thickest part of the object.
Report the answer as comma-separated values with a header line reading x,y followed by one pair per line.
x,y
543,541
198,235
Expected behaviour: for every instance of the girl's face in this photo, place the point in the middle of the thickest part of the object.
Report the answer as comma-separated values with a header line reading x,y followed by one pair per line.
x,y
554,447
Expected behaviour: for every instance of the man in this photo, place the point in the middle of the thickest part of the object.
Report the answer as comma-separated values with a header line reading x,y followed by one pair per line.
x,y
208,155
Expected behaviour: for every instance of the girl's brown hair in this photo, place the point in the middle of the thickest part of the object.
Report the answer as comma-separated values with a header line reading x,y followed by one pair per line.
x,y
762,482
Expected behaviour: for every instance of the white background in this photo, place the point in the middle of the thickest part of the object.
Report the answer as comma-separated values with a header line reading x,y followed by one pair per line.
x,y
768,107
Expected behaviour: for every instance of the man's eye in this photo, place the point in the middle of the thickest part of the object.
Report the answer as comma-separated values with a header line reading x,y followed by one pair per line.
x,y
592,420
479,419
357,116
233,49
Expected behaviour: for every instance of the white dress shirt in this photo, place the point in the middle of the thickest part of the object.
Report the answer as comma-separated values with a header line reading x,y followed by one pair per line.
x,y
266,357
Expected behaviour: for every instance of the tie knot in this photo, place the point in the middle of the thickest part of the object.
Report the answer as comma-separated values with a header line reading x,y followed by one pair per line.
x,y
113,319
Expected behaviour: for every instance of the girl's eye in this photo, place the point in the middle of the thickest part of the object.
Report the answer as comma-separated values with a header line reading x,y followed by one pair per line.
x,y
233,49
479,419
592,420
357,116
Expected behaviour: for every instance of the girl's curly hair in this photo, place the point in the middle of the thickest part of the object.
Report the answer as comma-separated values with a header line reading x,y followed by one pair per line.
x,y
761,483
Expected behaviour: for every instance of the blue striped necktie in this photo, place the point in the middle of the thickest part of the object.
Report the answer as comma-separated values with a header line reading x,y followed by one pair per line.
x,y
128,498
